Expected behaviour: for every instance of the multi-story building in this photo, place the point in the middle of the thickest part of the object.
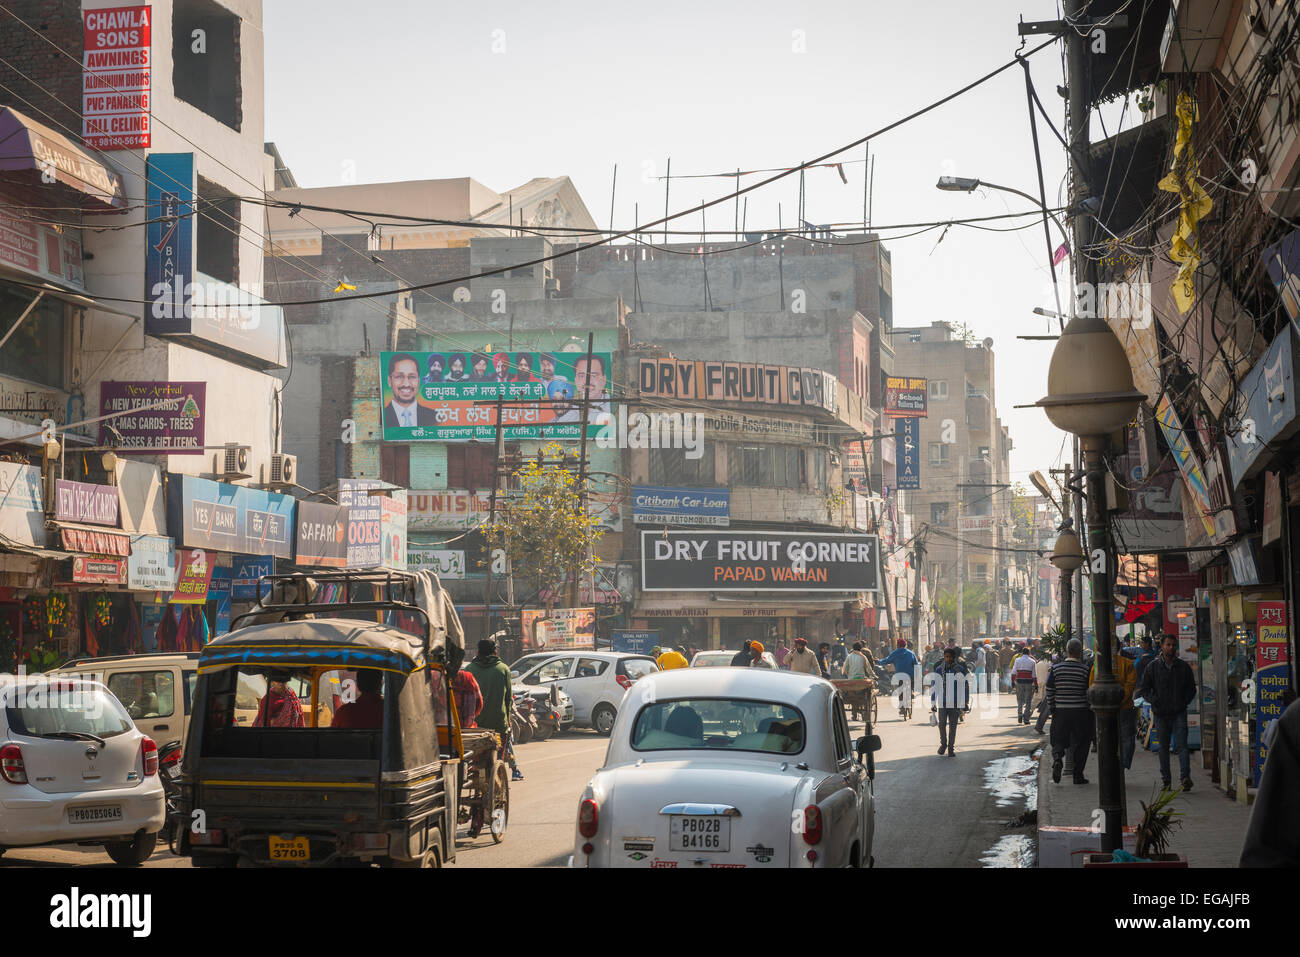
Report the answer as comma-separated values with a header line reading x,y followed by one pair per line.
x,y
964,498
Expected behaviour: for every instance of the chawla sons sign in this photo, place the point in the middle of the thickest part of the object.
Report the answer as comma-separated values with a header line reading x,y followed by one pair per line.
x,y
758,561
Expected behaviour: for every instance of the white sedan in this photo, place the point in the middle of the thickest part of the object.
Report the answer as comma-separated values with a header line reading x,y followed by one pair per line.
x,y
730,767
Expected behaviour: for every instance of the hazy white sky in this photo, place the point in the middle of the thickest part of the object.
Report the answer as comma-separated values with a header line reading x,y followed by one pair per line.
x,y
504,92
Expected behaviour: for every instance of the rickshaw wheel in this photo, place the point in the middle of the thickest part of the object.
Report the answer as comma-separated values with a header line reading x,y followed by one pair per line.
x,y
498,801
875,709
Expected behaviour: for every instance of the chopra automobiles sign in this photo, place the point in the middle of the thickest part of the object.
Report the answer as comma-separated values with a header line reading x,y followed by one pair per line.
x,y
759,561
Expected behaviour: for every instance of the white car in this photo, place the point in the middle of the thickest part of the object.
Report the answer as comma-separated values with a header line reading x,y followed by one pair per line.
x,y
74,769
719,659
595,680
730,767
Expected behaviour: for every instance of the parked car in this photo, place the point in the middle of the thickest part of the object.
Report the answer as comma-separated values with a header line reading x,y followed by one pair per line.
x,y
717,659
530,661
74,768
709,767
595,680
156,690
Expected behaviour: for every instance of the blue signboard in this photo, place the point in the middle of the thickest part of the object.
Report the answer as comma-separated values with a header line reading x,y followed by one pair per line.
x,y
657,505
634,642
229,518
907,434
1270,413
246,571
169,242
219,589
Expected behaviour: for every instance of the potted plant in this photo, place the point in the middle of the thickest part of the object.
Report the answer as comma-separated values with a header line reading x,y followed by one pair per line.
x,y
1153,831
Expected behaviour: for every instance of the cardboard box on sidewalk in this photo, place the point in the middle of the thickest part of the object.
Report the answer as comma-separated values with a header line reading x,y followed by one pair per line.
x,y
1067,846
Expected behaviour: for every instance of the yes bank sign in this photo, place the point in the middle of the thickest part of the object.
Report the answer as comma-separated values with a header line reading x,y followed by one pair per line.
x,y
229,518
759,561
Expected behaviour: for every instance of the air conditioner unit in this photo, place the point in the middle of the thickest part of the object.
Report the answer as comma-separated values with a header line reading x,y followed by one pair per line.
x,y
283,471
231,463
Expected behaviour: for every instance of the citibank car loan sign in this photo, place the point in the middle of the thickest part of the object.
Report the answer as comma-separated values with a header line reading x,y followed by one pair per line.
x,y
759,561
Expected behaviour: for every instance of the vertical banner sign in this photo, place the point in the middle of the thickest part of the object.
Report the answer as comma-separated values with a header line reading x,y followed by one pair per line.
x,y
169,242
193,575
219,591
364,519
909,452
1270,672
115,74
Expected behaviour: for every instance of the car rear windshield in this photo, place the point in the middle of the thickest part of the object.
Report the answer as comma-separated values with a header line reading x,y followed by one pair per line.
x,y
60,708
638,668
719,724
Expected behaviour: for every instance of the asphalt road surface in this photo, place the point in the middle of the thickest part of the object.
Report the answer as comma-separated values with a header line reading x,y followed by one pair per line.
x,y
931,811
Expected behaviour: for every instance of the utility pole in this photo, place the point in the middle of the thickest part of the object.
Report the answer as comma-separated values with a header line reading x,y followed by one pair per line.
x,y
961,567
498,448
919,561
582,465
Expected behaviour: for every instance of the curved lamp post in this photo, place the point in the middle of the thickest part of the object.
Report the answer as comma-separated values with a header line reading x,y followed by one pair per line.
x,y
1091,395
1067,556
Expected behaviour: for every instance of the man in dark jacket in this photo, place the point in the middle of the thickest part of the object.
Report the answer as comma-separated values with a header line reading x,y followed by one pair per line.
x,y
1072,718
741,658
493,679
1169,686
950,695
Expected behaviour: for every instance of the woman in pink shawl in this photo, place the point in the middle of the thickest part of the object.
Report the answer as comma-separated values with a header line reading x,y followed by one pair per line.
x,y
280,707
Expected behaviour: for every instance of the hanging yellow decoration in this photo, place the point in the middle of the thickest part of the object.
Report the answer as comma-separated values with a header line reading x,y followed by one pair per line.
x,y
1194,205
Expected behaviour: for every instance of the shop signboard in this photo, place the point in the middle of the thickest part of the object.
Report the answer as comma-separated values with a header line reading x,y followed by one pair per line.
x,y
447,563
174,424
634,642
322,538
229,518
363,520
564,629
1271,657
852,463
908,434
193,575
219,589
95,570
1272,524
169,243
84,502
659,505
712,561
41,251
1244,561
738,383
152,565
1189,464
448,395
905,397
140,499
245,573
115,80
392,530
445,510
1266,408
22,508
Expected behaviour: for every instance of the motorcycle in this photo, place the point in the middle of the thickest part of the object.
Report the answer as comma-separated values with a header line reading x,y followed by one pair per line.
x,y
546,714
169,772
523,726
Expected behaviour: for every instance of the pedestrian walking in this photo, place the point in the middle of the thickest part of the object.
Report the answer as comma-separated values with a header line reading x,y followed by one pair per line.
x,y
1273,837
468,697
949,695
782,653
1146,655
1169,686
1072,719
1023,674
493,679
1126,675
741,658
756,659
981,665
1041,668
804,661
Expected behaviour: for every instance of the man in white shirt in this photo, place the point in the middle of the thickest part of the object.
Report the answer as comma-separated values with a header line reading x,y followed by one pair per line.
x,y
403,411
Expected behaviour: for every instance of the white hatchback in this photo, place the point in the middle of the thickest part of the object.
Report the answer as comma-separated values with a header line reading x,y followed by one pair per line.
x,y
595,680
74,769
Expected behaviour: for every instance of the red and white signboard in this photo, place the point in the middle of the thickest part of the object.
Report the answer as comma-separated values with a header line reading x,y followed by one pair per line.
x,y
99,571
116,68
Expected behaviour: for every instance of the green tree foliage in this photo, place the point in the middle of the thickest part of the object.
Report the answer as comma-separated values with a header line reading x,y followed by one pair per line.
x,y
546,533
1022,513
976,599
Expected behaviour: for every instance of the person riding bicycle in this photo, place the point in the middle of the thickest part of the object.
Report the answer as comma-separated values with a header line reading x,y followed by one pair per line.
x,y
902,659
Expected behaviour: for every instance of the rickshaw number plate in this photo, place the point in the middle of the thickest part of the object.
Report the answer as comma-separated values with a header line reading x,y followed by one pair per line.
x,y
290,849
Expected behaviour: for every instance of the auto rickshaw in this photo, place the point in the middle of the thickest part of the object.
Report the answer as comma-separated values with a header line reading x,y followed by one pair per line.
x,y
325,733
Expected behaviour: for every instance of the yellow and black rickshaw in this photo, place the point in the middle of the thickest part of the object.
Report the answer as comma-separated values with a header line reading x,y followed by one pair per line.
x,y
325,731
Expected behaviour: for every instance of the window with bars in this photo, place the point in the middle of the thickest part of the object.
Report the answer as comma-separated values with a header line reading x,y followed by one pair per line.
x,y
672,468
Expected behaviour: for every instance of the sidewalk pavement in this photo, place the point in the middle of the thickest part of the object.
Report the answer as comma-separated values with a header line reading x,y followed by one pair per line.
x,y
1213,825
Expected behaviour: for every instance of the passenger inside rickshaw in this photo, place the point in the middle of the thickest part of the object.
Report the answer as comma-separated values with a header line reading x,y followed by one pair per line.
x,y
367,711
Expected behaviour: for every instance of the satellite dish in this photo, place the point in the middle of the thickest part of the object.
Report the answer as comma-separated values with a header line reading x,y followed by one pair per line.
x,y
461,294
988,343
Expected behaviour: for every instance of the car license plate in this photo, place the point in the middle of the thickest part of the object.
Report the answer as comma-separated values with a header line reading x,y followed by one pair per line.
x,y
290,849
93,815
710,832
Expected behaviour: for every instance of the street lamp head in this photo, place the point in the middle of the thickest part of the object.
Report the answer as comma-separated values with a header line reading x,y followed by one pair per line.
x,y
1066,553
957,184
1090,389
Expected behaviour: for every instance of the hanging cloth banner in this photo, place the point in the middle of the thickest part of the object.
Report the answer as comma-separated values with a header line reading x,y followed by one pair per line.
x,y
95,541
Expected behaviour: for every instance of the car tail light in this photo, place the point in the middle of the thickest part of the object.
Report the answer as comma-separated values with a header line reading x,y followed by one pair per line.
x,y
11,764
171,758
588,818
149,750
213,838
812,824
370,842
624,682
